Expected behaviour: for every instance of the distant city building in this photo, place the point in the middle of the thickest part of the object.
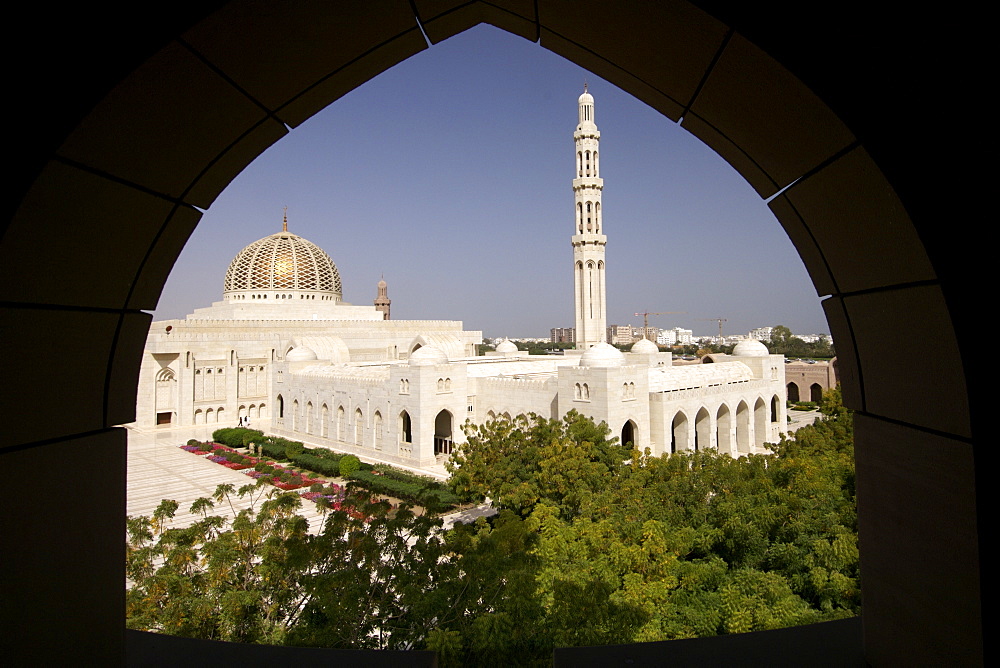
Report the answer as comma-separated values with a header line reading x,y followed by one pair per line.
x,y
761,333
621,335
646,333
562,335
675,336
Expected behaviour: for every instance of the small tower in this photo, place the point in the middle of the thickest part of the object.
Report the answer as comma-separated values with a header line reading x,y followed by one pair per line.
x,y
382,301
588,233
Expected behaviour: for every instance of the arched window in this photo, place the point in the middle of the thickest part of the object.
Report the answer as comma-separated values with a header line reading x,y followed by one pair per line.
x,y
816,392
628,434
377,428
405,430
442,433
359,427
281,407
341,426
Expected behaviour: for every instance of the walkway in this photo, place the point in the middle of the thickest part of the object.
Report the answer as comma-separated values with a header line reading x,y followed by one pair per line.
x,y
158,469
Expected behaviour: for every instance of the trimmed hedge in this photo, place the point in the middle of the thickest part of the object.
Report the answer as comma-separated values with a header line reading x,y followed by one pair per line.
x,y
389,481
237,437
431,495
321,465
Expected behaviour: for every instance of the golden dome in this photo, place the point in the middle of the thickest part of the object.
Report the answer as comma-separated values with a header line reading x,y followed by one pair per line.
x,y
283,262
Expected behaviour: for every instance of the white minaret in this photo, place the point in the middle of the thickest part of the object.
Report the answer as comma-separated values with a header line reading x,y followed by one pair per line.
x,y
588,231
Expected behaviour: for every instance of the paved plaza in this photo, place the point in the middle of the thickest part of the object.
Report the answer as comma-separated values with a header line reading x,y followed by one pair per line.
x,y
158,469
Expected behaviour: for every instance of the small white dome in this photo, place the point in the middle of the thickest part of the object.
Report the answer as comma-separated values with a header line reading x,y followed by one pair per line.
x,y
602,355
506,346
427,356
750,348
644,346
300,354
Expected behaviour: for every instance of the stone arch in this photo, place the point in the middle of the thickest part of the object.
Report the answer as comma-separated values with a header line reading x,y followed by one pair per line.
x,y
281,407
341,424
443,438
775,404
724,430
629,435
760,423
295,414
816,393
324,421
679,440
201,158
359,427
742,428
309,417
703,430
793,392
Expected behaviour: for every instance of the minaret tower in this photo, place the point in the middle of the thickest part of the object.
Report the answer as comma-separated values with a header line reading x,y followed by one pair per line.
x,y
588,230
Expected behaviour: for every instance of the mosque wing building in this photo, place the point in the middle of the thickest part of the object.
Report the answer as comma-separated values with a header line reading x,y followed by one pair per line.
x,y
285,350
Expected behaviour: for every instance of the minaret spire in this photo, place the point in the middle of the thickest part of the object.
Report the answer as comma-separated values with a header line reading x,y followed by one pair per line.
x,y
588,239
284,222
382,301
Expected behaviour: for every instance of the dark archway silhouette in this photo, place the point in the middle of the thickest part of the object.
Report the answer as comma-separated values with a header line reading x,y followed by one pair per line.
x,y
128,133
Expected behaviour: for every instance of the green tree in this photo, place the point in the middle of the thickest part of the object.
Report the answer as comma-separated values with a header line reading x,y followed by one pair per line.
x,y
518,462
363,581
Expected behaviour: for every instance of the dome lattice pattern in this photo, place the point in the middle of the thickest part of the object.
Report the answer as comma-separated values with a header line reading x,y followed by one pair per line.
x,y
283,261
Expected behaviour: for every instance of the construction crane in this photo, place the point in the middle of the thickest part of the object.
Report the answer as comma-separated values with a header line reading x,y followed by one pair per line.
x,y
718,320
645,320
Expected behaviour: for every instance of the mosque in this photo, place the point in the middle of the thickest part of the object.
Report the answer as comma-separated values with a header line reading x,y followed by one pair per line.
x,y
285,350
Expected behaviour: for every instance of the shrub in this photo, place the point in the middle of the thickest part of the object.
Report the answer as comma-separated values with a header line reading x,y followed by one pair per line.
x,y
236,437
321,465
193,441
293,448
348,465
427,493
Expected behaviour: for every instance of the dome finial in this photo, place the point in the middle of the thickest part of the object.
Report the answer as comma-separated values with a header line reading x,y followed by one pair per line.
x,y
284,222
584,86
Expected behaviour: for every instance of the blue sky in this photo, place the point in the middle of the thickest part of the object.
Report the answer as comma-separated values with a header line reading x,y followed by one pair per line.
x,y
451,175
